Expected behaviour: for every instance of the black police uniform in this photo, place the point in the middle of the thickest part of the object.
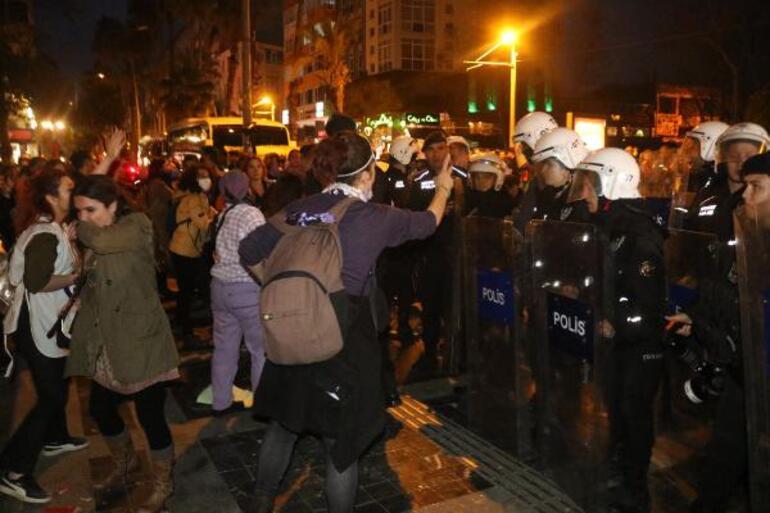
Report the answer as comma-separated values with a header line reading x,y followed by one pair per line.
x,y
716,325
712,209
701,178
491,203
396,264
637,289
545,203
433,260
390,187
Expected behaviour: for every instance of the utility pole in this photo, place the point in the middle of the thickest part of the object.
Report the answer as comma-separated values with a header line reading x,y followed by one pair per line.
x,y
246,73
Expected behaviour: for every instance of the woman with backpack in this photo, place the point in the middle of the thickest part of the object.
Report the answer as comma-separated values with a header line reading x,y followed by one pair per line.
x,y
43,269
121,337
193,216
339,399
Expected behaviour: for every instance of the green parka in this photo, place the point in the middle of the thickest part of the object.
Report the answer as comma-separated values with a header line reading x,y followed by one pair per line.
x,y
120,310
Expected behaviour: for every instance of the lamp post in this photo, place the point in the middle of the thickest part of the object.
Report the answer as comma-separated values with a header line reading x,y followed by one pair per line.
x,y
509,38
266,100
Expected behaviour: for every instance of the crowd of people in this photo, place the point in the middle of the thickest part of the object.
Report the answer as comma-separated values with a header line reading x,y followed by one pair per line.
x,y
92,257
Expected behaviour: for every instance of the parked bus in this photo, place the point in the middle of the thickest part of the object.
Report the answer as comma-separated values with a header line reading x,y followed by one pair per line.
x,y
192,135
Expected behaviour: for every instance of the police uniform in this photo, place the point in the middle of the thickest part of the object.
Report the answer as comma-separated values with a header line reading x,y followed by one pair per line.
x,y
392,185
537,204
712,209
716,324
637,289
396,264
433,257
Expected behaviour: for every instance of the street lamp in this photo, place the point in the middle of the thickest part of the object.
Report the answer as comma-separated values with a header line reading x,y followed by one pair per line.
x,y
508,37
266,100
101,76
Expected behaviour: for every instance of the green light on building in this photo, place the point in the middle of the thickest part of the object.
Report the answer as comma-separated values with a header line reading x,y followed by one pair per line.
x,y
491,105
531,105
549,104
473,108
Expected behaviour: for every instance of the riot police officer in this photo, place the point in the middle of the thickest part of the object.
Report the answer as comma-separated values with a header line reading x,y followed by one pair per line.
x,y
715,320
395,266
527,132
637,295
460,153
434,256
486,197
402,153
699,149
712,209
558,153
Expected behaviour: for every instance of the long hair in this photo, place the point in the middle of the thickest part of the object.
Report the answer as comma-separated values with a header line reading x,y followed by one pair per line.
x,y
104,190
32,193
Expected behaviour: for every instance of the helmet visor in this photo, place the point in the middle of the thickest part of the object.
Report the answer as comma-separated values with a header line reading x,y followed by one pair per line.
x,y
553,173
585,185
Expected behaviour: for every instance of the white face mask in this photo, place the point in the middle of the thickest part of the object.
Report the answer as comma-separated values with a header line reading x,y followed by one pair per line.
x,y
204,184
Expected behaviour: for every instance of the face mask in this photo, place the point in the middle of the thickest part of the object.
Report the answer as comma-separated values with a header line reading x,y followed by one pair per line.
x,y
204,184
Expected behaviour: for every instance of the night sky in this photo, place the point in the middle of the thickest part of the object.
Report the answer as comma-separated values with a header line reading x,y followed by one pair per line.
x,y
66,36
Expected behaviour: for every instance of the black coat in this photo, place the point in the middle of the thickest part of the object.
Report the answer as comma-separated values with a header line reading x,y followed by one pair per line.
x,y
306,402
637,282
712,209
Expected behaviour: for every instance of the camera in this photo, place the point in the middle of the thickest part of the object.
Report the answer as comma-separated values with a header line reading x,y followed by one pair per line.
x,y
708,378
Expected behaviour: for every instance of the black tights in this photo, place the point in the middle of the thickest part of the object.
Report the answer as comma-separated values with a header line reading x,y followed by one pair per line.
x,y
149,404
274,459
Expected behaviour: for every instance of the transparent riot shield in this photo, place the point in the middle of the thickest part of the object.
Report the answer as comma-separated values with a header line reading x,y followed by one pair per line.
x,y
682,197
499,375
567,269
682,424
753,259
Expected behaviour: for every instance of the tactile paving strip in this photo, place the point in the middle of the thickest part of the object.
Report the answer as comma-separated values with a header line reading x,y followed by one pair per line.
x,y
530,490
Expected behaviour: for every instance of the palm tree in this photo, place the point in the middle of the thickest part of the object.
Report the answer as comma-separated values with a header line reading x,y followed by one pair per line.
x,y
330,45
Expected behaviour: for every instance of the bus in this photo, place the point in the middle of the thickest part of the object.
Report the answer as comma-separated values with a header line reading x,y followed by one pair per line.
x,y
192,135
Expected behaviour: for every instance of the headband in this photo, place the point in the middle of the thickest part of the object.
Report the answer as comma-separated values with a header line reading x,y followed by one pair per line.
x,y
353,173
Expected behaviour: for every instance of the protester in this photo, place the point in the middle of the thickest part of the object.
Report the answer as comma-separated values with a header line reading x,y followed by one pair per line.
x,y
290,395
234,293
43,268
158,202
193,217
255,170
121,338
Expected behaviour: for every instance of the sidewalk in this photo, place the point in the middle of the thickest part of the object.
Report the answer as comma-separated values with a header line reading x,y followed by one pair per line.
x,y
424,463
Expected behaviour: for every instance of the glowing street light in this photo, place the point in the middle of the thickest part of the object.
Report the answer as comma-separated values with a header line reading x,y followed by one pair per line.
x,y
59,125
266,100
508,37
101,76
46,124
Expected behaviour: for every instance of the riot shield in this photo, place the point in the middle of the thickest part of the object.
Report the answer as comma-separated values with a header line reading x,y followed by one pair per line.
x,y
499,375
689,259
567,270
753,259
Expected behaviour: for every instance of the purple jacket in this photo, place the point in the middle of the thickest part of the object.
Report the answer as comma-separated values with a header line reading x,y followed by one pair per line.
x,y
365,231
